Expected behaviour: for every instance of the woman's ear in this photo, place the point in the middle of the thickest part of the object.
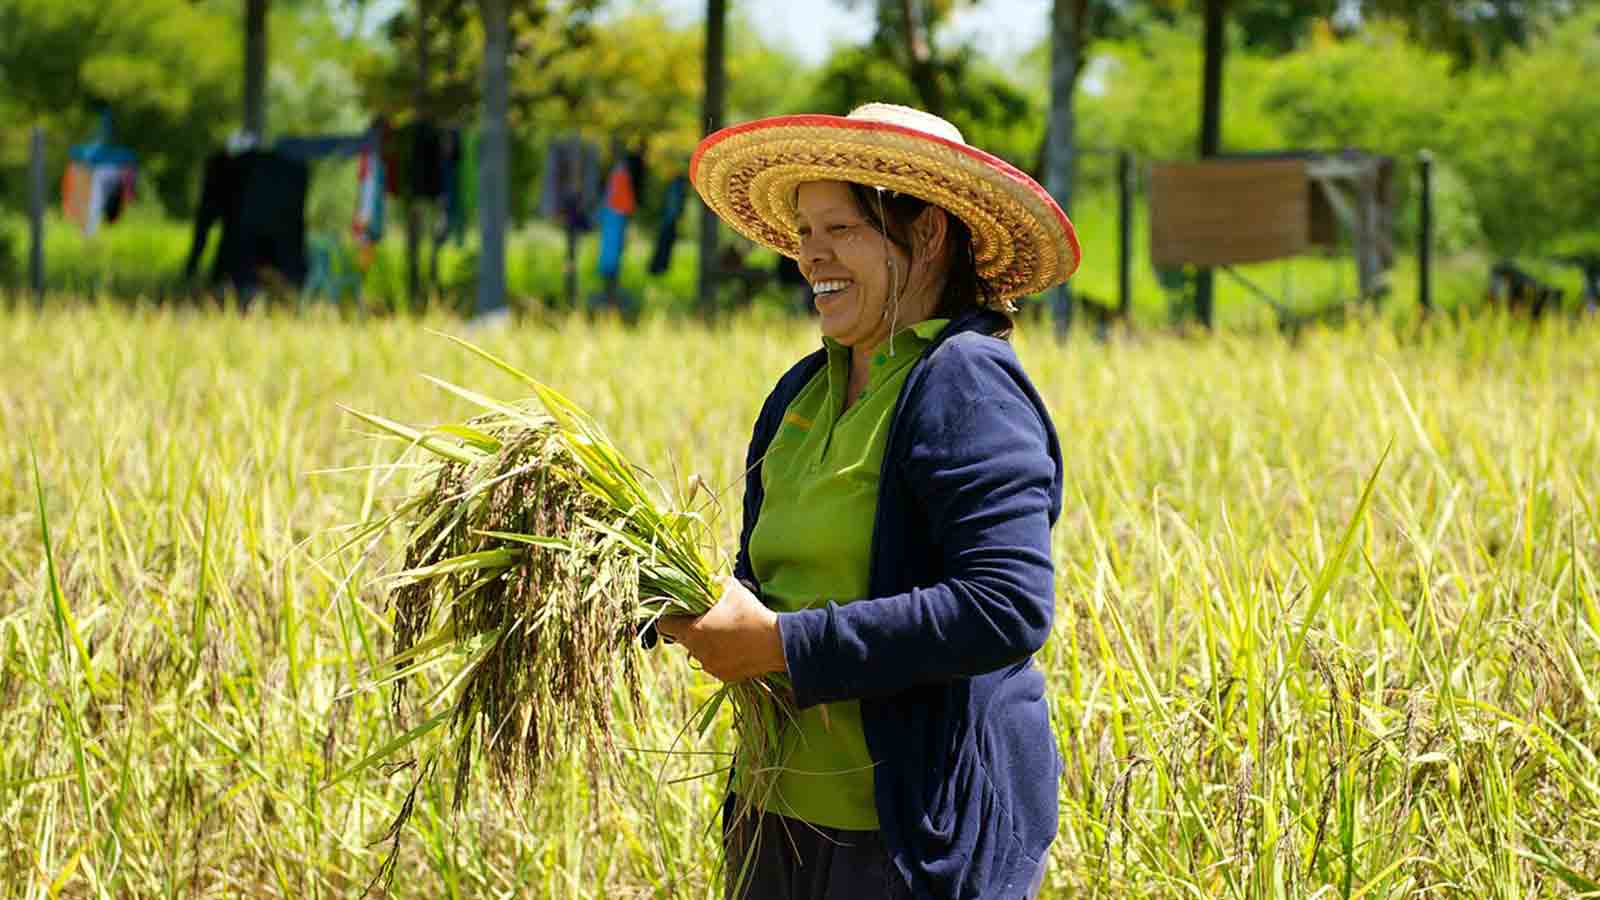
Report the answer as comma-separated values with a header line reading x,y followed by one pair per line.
x,y
931,230
930,243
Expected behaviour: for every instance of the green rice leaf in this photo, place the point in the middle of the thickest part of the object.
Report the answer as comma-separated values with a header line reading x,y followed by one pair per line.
x,y
420,439
521,417
532,540
389,749
473,436
499,558
709,716
1330,568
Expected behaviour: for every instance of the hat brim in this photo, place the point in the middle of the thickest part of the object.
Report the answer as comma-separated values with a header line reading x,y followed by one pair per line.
x,y
1023,242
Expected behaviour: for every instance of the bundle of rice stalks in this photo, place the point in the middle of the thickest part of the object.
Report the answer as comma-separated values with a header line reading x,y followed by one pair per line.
x,y
536,556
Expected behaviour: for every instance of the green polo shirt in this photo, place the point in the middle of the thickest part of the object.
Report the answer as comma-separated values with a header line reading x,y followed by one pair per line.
x,y
813,543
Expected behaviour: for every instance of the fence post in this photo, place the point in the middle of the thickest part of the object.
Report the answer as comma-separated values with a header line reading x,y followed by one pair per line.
x,y
36,215
1124,234
1425,236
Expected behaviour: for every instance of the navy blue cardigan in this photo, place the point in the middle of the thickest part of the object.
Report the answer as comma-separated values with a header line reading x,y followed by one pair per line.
x,y
961,596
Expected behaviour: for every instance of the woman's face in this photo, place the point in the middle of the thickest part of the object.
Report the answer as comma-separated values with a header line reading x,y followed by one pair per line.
x,y
847,262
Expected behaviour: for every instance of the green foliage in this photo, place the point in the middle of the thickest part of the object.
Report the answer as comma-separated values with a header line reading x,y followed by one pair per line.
x,y
1474,32
544,34
170,73
10,265
1145,96
172,87
1528,141
990,110
1515,144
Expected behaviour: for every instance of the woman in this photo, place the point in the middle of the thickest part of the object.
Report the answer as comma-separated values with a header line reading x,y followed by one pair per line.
x,y
903,480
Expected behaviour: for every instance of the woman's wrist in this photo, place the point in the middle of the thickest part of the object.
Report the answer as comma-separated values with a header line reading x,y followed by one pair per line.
x,y
777,659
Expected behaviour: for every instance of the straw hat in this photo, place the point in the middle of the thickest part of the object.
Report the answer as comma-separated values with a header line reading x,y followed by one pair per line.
x,y
748,175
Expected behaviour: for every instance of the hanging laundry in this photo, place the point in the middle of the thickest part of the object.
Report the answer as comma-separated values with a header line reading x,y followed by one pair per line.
x,y
324,146
112,191
259,199
77,182
672,207
571,183
413,156
453,224
99,181
368,225
619,206
468,175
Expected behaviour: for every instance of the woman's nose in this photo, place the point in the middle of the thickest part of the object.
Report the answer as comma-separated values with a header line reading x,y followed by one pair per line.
x,y
813,250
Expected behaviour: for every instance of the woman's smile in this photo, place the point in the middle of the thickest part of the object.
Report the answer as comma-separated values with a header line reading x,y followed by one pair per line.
x,y
830,293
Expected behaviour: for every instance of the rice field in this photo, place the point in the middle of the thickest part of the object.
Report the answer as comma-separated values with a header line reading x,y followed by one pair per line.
x,y
1267,680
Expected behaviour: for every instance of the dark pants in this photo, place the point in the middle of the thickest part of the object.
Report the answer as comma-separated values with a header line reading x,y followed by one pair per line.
x,y
795,860
773,857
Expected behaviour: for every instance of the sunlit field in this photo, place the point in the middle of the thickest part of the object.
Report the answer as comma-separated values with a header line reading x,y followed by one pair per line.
x,y
1267,680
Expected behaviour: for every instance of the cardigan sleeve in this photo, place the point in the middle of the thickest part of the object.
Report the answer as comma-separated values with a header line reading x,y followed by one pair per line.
x,y
982,466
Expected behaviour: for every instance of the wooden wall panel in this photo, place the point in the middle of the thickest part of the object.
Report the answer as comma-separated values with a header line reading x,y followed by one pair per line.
x,y
1217,212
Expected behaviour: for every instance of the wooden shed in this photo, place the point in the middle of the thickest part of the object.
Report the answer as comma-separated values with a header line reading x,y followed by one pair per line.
x,y
1259,207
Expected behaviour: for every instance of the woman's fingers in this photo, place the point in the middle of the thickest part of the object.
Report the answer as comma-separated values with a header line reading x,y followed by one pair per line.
x,y
674,627
736,639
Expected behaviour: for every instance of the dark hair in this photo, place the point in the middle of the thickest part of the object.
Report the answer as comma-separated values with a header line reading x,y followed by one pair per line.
x,y
964,289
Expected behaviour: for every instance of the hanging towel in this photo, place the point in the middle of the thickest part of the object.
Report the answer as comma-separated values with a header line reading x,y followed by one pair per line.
x,y
672,207
619,190
368,225
453,225
613,230
614,213
570,187
76,183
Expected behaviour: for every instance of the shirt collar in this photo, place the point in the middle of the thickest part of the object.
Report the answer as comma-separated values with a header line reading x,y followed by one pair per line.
x,y
910,339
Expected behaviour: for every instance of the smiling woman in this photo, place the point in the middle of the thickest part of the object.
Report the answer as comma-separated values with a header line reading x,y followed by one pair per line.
x,y
902,482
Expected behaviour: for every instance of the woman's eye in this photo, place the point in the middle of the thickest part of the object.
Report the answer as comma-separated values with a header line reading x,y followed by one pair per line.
x,y
838,229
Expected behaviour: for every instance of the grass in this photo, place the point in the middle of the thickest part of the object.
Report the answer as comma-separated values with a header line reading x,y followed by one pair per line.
x,y
1267,680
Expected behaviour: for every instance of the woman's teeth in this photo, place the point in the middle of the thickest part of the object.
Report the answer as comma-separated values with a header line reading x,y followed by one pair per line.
x,y
829,287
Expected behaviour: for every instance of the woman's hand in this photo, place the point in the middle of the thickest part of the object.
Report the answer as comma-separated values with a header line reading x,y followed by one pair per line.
x,y
736,639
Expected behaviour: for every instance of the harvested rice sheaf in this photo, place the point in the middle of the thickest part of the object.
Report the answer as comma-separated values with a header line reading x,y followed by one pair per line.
x,y
554,616
536,555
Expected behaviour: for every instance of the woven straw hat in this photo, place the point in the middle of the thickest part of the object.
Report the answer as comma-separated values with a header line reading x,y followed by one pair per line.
x,y
748,175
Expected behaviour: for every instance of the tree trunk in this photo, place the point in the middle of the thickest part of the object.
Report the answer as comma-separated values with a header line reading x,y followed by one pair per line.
x,y
919,51
1216,13
715,78
493,175
255,67
413,206
1061,154
1216,48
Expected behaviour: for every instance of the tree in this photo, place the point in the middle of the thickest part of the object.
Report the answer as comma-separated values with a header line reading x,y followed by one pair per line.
x,y
904,34
255,67
170,86
492,161
459,60
1216,47
1474,32
711,111
1067,21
